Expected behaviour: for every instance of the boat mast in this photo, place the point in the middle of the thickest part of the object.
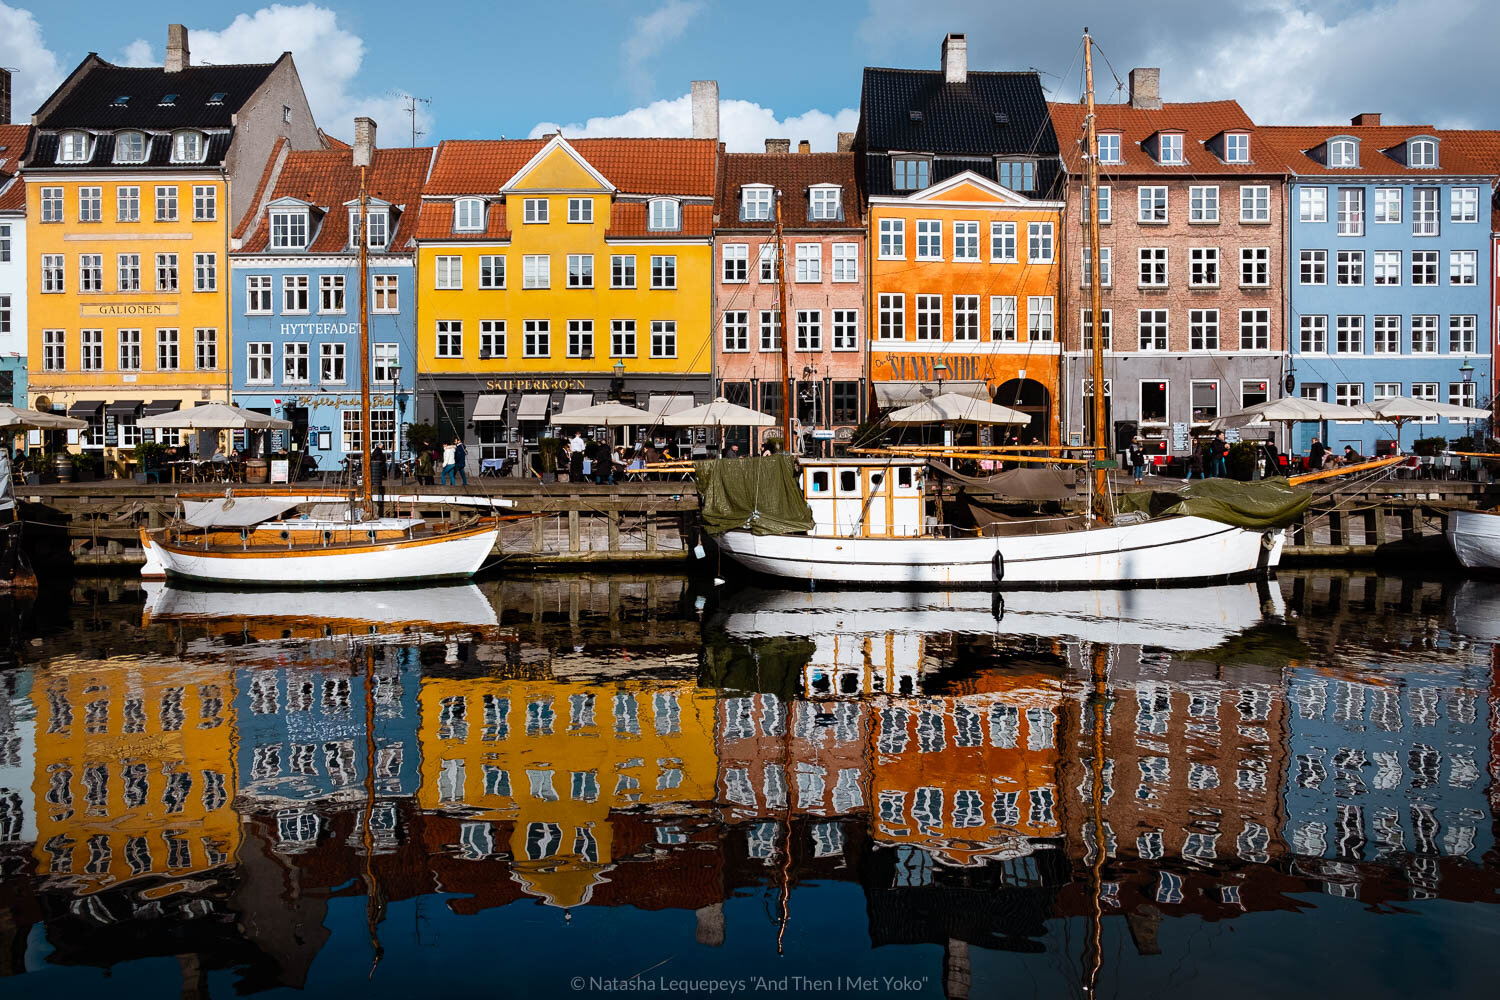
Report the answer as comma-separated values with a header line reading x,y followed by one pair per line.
x,y
786,361
362,234
1091,181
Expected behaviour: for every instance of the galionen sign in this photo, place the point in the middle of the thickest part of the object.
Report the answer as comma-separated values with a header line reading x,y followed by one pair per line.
x,y
126,310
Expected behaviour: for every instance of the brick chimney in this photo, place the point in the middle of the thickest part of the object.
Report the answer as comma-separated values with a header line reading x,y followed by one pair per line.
x,y
705,109
955,58
364,142
846,142
803,146
1145,88
1367,118
778,145
178,58
4,97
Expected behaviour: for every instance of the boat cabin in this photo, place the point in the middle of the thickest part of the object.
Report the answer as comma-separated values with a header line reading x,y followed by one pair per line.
x,y
860,498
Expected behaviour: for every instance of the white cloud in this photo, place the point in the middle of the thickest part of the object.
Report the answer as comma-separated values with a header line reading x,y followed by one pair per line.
x,y
743,125
650,34
328,59
36,71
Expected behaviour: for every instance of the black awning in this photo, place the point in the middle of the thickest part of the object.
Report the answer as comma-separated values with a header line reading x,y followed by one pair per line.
x,y
85,408
122,408
161,406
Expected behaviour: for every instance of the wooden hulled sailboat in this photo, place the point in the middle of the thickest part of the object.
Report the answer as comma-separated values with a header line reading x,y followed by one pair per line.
x,y
248,540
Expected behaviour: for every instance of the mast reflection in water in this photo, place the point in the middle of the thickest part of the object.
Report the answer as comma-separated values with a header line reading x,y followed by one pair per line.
x,y
504,787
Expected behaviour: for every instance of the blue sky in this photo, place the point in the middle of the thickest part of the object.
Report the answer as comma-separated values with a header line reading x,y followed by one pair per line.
x,y
514,68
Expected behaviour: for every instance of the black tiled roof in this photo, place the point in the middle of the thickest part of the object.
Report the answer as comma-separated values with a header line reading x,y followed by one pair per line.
x,y
44,153
878,179
91,102
955,117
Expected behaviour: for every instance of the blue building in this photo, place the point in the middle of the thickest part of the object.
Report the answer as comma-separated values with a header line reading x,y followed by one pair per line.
x,y
1387,272
295,298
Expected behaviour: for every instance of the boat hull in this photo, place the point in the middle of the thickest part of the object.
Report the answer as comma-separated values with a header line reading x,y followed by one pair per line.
x,y
1474,537
1170,550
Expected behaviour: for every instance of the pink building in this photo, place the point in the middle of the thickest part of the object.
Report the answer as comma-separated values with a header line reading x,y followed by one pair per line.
x,y
824,234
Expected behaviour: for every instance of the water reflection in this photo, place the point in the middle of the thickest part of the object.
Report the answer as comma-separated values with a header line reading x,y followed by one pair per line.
x,y
841,778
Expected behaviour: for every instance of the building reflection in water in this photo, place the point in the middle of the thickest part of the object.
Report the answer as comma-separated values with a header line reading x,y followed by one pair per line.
x,y
210,780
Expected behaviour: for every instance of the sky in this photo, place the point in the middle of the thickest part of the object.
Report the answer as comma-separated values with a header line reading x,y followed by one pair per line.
x,y
786,68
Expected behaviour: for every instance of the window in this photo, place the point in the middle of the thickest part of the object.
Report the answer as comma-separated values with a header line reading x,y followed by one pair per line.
x,y
295,368
965,317
1421,153
845,409
5,242
257,291
205,272
387,361
166,210
929,317
809,329
1424,267
130,147
892,321
1018,175
846,329
580,270
385,292
166,272
468,215
331,293
1313,267
1039,242
377,228
966,241
205,203
1349,334
755,203
1003,315
1463,267
1109,147
536,271
258,362
127,203
1427,392
1236,148
1087,321
448,272
1169,145
331,369
663,215
1387,205
622,271
1424,211
1343,153
189,147
54,351
1253,392
1463,205
1152,325
846,262
1387,267
1105,200
450,338
90,204
809,262
736,263
1255,330
130,350
929,239
1039,317
909,173
1349,267
288,229
74,147
1386,336
1003,242
534,210
1203,329
580,210
1151,205
767,258
1153,410
622,338
536,338
1424,334
491,339
580,338
1462,336
206,349
351,437
52,272
91,350
893,239
1255,267
1313,335
1463,393
90,272
1203,204
663,338
52,204
1255,203
166,350
825,203
736,331
1312,204
1106,271
1349,393
1205,401
1153,267
1203,267
294,295
1351,219
664,271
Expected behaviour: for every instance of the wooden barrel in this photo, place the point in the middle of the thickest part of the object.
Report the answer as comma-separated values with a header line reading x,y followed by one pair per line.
x,y
257,470
63,466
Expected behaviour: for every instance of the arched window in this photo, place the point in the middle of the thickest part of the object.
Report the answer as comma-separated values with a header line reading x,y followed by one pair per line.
x,y
468,215
130,147
1421,153
189,147
1343,153
665,215
74,147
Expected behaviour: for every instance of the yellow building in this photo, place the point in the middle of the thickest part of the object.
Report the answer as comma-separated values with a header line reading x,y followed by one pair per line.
x,y
134,181
554,274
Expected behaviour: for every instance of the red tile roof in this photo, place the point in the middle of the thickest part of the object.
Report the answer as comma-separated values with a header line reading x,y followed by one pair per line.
x,y
328,178
627,220
1458,152
793,174
1200,121
634,166
13,139
437,223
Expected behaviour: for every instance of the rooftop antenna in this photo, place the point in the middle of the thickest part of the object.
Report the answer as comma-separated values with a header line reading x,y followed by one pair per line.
x,y
410,110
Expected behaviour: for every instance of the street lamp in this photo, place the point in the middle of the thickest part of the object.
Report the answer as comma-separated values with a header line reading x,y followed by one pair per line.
x,y
398,404
1467,371
941,369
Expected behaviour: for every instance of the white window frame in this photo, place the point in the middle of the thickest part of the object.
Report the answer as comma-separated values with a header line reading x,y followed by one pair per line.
x,y
1385,268
664,271
75,146
258,362
258,295
536,338
769,330
1312,267
1236,147
1349,334
1110,146
580,211
892,234
1041,318
1312,334
1425,206
966,241
333,298
1003,243
1255,329
1463,267
127,203
580,270
929,239
1169,148
929,318
1041,244
1427,260
1161,331
468,215
296,362
846,329
1422,154
1349,265
492,271
205,203
385,294
809,263
966,318
1203,267
1343,153
664,337
622,343
1203,330
1387,206
536,270
1203,203
1152,207
1153,270
809,325
891,316
1424,333
535,211
1385,335
734,263
1106,267
757,203
663,215
296,295
448,338
1312,204
824,202
288,228
123,143
1463,204
205,272
1351,211
845,262
1255,263
735,331
91,203
580,338
189,146
622,270
1004,319
1255,203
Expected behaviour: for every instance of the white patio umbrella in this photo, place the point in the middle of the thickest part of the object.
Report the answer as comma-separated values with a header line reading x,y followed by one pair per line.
x,y
720,413
19,418
1399,410
955,408
215,417
1289,410
610,414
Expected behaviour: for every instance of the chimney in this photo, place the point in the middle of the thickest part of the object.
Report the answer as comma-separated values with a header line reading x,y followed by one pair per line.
x,y
778,145
804,146
1145,89
955,58
705,109
364,141
4,97
846,142
1367,118
178,58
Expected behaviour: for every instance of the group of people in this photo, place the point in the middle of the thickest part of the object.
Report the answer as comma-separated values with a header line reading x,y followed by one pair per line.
x,y
1209,460
449,460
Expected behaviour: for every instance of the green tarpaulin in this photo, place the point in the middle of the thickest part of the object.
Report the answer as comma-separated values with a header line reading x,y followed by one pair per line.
x,y
1270,503
758,494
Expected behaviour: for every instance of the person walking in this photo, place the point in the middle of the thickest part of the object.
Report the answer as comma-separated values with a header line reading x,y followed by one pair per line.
x,y
424,466
377,479
576,448
1316,453
450,454
1221,455
1137,458
460,462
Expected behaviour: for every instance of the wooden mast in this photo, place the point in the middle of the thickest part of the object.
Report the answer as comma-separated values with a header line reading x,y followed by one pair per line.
x,y
1091,179
785,326
363,235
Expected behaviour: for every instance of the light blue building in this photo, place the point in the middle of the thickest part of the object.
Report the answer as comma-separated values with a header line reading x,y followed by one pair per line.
x,y
1388,290
295,301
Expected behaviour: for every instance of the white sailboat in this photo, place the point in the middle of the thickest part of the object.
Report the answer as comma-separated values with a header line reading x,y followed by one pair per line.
x,y
1474,536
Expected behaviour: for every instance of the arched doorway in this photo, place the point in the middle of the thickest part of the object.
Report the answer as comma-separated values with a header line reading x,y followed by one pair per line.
x,y
1030,397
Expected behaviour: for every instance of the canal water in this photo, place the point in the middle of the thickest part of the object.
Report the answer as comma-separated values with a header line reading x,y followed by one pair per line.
x,y
552,787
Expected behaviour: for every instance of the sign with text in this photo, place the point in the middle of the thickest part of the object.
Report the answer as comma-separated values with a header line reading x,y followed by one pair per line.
x,y
319,329
126,310
534,384
1180,438
376,400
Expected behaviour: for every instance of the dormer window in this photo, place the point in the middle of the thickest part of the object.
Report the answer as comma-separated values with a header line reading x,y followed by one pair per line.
x,y
1017,175
468,215
1109,147
755,202
74,147
664,215
1169,147
217,97
1343,153
1237,148
909,173
825,203
379,231
189,147
1421,153
130,147
289,229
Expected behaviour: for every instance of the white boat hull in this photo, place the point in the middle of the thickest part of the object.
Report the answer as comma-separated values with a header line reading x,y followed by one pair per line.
x,y
1475,538
1170,550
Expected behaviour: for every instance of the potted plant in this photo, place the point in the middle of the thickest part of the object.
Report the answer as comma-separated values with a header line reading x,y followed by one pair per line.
x,y
35,465
1429,447
149,456
1241,461
550,449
